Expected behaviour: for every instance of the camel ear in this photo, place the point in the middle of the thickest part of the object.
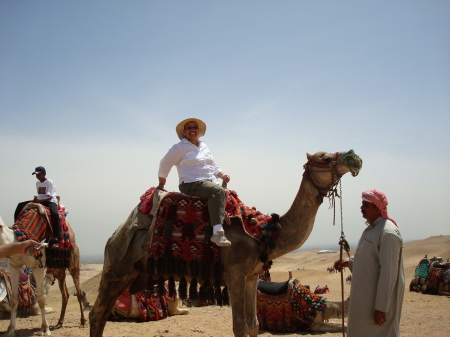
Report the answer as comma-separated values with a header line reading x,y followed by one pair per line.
x,y
309,156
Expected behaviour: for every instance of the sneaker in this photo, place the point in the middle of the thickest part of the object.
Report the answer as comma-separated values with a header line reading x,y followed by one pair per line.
x,y
220,239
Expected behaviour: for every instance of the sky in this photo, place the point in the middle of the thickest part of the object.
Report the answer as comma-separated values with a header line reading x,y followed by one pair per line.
x,y
93,91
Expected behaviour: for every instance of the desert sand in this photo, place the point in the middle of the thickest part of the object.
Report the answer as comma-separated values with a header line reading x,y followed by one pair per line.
x,y
423,315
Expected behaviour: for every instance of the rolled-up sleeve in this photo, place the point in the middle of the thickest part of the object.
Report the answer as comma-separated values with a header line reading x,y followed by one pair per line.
x,y
172,157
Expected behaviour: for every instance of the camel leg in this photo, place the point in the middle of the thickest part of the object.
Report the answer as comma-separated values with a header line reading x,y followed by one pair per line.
x,y
250,305
237,280
172,307
109,290
39,274
60,274
75,273
14,301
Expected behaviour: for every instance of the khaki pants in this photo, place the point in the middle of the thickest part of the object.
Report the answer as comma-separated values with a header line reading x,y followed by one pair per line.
x,y
214,193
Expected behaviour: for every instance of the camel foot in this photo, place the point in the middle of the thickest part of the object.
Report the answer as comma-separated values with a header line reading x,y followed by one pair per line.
x,y
46,332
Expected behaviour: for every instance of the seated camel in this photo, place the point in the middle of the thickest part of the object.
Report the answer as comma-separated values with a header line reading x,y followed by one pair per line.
x,y
290,307
28,305
146,305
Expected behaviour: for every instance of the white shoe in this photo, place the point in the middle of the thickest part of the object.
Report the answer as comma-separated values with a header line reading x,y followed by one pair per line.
x,y
220,239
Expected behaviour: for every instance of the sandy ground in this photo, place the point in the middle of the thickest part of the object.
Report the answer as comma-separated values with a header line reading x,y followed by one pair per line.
x,y
423,315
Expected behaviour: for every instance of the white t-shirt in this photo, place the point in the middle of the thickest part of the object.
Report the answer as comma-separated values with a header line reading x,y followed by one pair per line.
x,y
46,189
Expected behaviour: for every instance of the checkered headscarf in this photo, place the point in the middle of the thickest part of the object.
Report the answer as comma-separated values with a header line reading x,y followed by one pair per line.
x,y
379,200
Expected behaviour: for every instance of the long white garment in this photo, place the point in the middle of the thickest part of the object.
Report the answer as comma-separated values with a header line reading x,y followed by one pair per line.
x,y
378,281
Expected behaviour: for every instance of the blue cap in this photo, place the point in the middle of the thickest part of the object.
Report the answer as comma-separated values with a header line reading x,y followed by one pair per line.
x,y
39,169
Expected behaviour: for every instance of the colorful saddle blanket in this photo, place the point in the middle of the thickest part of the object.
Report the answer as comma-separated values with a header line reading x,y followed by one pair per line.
x,y
151,304
27,291
31,224
290,312
423,268
181,225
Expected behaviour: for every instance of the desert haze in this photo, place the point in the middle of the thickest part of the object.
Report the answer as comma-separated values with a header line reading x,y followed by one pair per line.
x,y
422,314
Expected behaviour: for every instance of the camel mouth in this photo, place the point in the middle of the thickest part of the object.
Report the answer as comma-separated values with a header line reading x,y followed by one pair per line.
x,y
353,162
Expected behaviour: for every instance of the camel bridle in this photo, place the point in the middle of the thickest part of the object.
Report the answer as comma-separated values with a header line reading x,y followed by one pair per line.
x,y
312,167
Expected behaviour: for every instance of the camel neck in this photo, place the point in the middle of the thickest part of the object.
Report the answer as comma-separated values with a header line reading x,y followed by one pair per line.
x,y
297,223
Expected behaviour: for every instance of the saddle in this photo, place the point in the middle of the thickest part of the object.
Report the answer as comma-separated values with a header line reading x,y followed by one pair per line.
x,y
273,288
181,232
34,223
292,311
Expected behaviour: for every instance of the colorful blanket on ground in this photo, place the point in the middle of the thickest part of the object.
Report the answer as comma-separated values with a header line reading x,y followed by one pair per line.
x,y
31,224
291,312
181,226
422,268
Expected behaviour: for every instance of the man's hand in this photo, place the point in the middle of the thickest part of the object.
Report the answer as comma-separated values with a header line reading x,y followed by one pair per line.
x,y
339,264
379,317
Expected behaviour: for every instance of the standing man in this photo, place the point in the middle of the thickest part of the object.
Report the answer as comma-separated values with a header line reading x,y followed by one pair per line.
x,y
378,279
46,190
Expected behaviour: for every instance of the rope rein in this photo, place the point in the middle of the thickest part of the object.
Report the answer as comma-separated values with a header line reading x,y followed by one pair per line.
x,y
343,246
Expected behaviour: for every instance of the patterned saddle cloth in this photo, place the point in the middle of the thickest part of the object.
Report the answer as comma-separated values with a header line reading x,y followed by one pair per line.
x,y
181,228
290,312
27,291
152,305
34,222
423,268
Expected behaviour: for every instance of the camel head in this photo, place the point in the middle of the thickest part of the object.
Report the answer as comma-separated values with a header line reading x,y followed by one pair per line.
x,y
325,169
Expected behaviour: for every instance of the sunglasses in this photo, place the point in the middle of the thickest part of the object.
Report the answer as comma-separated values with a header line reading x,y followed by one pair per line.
x,y
191,128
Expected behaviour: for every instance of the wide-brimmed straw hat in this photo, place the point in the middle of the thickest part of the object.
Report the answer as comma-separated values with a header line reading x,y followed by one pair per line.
x,y
200,123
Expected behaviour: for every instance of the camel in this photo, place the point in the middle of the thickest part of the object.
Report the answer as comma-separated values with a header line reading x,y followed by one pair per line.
x,y
134,312
29,281
421,275
242,262
284,297
7,235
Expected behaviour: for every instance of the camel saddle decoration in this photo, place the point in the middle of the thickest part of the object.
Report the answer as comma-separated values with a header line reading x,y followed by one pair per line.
x,y
34,223
27,291
290,307
181,241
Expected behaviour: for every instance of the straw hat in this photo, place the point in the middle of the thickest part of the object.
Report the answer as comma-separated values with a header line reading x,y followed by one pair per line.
x,y
200,123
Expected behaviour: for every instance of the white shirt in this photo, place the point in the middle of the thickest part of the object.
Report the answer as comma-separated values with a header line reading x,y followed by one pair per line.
x,y
46,189
194,163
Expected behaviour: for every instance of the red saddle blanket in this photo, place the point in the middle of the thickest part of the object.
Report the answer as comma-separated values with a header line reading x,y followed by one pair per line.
x,y
151,304
181,227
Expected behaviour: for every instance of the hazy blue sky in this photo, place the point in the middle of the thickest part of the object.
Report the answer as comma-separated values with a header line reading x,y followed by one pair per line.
x,y
93,90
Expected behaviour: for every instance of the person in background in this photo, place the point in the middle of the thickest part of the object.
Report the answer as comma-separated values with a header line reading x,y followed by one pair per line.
x,y
46,196
378,279
198,173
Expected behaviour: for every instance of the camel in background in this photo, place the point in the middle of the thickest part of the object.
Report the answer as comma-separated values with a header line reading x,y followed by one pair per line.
x,y
7,235
242,261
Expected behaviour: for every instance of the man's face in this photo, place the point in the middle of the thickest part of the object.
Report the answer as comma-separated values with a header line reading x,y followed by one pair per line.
x,y
40,176
369,211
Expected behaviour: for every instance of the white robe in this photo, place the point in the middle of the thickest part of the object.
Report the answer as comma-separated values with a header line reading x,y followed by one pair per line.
x,y
378,281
